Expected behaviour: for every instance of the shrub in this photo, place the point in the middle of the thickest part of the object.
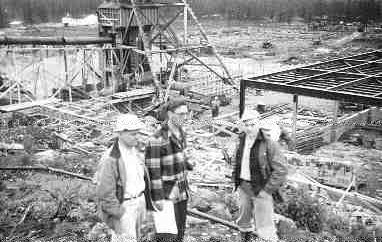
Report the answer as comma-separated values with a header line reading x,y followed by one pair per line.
x,y
306,211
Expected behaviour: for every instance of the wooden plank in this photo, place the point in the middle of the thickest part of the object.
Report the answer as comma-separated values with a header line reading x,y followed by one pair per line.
x,y
26,105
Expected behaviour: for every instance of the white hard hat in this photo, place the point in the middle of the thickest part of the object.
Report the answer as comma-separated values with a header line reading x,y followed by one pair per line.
x,y
250,115
272,127
128,122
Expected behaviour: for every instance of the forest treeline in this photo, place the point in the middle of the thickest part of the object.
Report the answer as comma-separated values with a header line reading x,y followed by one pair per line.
x,y
37,11
287,10
40,11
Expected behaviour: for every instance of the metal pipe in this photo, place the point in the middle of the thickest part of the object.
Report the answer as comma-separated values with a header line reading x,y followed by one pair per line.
x,y
38,40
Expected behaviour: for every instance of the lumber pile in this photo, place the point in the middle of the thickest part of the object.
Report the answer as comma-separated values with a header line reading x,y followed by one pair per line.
x,y
308,141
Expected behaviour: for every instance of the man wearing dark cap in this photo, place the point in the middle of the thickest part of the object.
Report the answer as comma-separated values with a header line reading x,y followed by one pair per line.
x,y
167,164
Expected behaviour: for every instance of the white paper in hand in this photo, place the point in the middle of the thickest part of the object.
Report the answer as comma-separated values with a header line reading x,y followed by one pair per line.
x,y
165,220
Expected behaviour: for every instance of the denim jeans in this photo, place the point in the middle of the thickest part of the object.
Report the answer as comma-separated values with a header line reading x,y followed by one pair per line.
x,y
260,209
128,228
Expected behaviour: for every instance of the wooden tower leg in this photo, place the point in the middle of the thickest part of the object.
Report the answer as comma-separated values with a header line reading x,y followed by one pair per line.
x,y
201,29
147,50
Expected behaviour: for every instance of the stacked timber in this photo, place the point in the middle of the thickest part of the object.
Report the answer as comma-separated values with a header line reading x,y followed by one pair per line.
x,y
309,140
277,109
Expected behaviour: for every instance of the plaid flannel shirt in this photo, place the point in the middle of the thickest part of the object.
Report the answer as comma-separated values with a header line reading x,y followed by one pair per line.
x,y
166,162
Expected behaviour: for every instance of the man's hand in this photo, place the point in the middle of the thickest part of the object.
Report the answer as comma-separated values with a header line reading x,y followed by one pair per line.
x,y
159,205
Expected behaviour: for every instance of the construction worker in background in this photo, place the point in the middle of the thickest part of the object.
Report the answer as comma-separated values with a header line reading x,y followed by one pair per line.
x,y
215,105
259,172
285,139
279,134
167,164
123,183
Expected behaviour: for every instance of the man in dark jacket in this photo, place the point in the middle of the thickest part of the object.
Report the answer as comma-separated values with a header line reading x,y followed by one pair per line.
x,y
123,182
259,172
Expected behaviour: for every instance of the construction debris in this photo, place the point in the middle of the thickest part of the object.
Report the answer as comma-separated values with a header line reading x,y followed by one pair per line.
x,y
51,143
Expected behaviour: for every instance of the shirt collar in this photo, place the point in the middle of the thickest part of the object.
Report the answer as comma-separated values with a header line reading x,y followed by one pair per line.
x,y
257,136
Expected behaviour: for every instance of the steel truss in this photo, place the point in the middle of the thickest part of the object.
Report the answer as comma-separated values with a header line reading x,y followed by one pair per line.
x,y
355,79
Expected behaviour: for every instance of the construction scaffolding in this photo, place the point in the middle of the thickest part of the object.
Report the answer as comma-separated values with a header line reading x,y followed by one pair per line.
x,y
138,48
153,51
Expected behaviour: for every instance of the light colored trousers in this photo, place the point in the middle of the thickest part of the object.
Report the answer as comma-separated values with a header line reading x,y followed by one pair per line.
x,y
131,221
259,208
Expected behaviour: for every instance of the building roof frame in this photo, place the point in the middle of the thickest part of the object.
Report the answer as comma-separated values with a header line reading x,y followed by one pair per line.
x,y
356,78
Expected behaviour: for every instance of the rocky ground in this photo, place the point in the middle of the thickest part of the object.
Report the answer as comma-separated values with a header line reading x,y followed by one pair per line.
x,y
42,206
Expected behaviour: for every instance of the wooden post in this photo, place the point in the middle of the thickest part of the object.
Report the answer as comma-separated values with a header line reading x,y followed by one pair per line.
x,y
242,98
333,133
84,80
15,78
67,76
102,67
294,130
43,79
39,75
185,21
204,34
114,77
10,86
146,48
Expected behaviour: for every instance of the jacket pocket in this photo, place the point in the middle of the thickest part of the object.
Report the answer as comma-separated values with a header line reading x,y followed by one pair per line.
x,y
119,192
277,197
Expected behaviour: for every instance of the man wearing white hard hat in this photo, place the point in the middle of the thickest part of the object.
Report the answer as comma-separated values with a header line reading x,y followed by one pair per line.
x,y
123,183
259,172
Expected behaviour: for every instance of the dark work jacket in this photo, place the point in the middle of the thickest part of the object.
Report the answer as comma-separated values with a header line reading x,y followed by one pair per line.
x,y
110,189
266,163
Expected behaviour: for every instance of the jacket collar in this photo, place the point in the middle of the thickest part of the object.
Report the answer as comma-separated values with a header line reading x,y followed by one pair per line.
x,y
115,151
259,136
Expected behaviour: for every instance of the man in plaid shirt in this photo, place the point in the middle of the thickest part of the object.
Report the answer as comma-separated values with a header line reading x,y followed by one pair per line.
x,y
167,164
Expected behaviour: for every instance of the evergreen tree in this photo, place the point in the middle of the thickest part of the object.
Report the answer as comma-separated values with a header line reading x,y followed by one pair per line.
x,y
3,15
33,11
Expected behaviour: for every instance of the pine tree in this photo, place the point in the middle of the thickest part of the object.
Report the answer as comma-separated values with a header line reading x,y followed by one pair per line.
x,y
3,15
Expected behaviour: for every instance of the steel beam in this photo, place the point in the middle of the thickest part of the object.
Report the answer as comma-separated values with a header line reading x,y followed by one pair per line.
x,y
315,92
339,72
32,40
328,73
163,28
315,64
352,83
